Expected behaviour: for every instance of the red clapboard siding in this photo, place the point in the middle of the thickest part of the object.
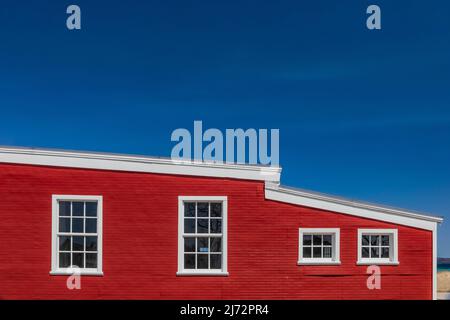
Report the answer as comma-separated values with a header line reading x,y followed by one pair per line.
x,y
140,236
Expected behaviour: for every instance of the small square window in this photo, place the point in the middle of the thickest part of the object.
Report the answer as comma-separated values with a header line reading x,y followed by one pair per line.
x,y
377,246
319,246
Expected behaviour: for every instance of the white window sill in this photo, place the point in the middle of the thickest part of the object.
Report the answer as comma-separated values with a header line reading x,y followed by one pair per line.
x,y
318,262
377,262
203,273
82,273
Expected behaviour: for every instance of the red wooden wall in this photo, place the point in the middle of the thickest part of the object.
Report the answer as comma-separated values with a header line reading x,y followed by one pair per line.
x,y
140,234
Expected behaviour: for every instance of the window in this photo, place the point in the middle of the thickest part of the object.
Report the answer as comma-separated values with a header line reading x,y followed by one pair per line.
x,y
319,246
202,236
377,246
77,234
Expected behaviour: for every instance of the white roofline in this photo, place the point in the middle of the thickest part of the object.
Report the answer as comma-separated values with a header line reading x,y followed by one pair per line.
x,y
356,208
117,162
270,175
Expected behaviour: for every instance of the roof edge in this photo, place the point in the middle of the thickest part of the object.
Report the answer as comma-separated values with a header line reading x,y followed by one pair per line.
x,y
136,163
337,204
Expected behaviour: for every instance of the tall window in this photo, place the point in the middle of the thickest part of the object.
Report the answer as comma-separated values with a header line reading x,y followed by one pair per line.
x,y
319,246
77,234
202,235
377,246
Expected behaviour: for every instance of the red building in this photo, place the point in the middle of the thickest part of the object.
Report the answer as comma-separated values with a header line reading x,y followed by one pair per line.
x,y
150,228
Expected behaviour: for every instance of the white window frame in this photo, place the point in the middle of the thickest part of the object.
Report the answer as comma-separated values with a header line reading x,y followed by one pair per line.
x,y
336,238
55,270
203,272
393,251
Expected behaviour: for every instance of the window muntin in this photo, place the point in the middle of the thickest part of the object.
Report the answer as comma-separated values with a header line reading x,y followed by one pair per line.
x,y
318,246
202,235
76,234
377,246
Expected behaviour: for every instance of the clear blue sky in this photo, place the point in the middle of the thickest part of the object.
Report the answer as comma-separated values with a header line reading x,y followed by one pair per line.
x,y
362,114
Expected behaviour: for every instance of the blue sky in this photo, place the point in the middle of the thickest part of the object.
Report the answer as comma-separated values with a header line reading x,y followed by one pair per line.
x,y
362,114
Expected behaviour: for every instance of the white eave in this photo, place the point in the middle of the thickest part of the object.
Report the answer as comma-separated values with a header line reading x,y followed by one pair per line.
x,y
118,162
270,175
356,208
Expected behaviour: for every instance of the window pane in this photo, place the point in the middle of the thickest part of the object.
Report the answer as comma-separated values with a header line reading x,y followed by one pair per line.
x,y
77,225
216,261
216,244
77,208
327,240
374,252
91,260
64,208
91,225
202,225
78,259
307,240
91,210
64,224
216,209
384,240
365,252
365,240
306,252
202,209
202,245
64,244
317,252
327,252
202,261
64,260
189,244
385,252
216,225
78,243
374,240
317,239
189,225
189,261
189,209
91,243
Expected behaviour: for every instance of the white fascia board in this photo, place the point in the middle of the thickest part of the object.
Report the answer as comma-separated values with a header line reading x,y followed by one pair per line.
x,y
84,160
276,193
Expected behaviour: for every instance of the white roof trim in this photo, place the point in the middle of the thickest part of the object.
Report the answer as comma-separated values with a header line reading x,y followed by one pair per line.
x,y
90,160
324,202
271,176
